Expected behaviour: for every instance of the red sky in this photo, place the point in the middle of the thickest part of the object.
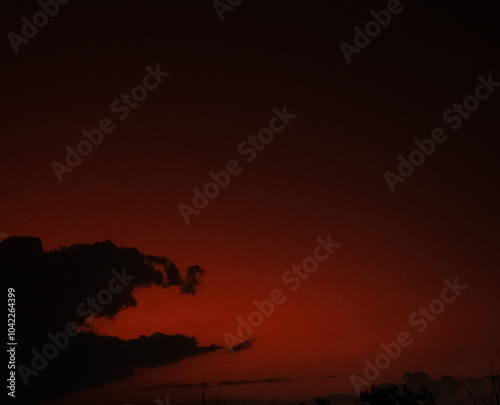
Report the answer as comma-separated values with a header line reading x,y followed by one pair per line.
x,y
323,175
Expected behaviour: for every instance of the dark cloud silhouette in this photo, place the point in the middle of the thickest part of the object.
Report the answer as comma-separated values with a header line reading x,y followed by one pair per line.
x,y
221,383
174,278
341,375
241,346
54,288
177,385
266,381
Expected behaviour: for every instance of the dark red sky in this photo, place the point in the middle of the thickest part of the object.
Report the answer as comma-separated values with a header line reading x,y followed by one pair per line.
x,y
322,175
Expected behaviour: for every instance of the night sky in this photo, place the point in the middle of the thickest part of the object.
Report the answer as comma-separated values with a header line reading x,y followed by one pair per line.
x,y
312,144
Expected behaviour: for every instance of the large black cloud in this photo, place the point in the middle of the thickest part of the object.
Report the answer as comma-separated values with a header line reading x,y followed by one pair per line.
x,y
51,285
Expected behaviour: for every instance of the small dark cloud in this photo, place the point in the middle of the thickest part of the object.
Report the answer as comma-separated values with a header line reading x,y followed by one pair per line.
x,y
222,383
244,382
341,375
177,385
241,346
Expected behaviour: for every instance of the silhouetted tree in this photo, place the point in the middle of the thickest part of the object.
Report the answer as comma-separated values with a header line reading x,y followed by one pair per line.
x,y
479,396
322,401
396,395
